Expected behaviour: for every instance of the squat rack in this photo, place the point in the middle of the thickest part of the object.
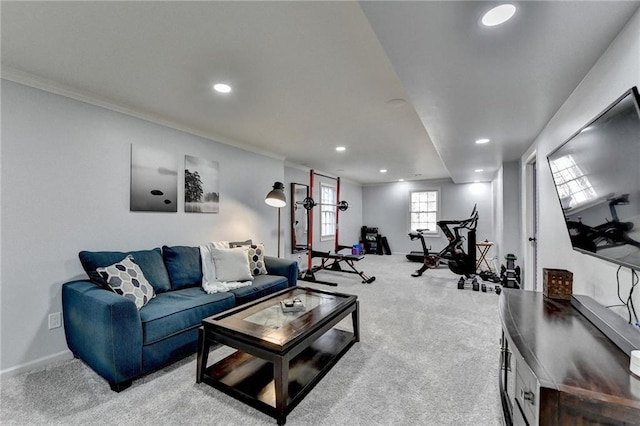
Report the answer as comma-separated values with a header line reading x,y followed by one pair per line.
x,y
312,174
335,258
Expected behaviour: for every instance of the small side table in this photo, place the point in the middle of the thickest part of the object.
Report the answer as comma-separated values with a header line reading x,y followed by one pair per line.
x,y
483,249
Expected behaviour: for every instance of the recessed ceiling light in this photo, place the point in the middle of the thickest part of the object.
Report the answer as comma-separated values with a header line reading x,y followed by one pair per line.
x,y
483,140
476,181
498,15
222,88
383,170
340,148
479,170
400,180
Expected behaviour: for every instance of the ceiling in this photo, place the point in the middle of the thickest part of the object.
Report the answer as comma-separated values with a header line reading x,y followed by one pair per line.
x,y
310,76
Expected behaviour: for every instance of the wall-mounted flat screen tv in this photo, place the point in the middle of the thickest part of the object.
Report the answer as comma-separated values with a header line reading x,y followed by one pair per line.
x,y
597,177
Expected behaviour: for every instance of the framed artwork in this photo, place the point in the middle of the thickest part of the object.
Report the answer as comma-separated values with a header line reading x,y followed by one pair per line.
x,y
154,180
201,193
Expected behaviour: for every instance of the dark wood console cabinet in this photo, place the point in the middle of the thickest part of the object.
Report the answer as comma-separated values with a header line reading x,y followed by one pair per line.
x,y
558,369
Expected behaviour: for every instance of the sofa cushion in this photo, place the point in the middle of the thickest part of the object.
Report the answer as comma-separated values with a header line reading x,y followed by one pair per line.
x,y
262,286
183,265
150,262
126,279
231,264
173,312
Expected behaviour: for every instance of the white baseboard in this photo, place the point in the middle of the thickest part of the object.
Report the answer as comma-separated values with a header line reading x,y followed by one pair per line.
x,y
35,364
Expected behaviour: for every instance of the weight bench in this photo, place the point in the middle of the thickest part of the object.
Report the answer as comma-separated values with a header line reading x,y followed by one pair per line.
x,y
331,262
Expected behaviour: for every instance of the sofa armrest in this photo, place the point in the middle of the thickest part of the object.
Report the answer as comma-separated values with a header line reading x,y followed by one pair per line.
x,y
104,330
283,267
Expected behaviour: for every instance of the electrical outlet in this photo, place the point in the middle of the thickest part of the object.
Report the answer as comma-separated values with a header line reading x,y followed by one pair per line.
x,y
54,320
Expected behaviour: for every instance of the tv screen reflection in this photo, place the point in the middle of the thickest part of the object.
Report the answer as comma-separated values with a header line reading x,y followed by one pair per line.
x,y
597,178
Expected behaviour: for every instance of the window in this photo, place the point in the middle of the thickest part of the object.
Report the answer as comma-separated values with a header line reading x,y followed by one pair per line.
x,y
327,212
573,186
423,210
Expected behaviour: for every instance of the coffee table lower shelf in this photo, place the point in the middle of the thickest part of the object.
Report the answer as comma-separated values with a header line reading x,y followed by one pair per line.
x,y
250,379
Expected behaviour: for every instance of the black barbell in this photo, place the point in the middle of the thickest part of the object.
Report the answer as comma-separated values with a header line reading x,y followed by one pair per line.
x,y
308,203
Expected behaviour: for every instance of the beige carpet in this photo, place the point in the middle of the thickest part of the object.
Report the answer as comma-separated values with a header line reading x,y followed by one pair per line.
x,y
428,355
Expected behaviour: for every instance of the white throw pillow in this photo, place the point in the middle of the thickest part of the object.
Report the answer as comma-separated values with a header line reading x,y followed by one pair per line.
x,y
231,264
208,267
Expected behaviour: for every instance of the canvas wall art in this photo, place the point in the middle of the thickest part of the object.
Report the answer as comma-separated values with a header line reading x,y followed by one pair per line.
x,y
201,193
154,180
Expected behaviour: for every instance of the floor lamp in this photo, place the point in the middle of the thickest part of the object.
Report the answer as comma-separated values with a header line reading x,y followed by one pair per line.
x,y
277,198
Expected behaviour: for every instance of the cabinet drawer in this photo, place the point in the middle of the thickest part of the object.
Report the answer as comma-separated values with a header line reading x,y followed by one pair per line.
x,y
527,392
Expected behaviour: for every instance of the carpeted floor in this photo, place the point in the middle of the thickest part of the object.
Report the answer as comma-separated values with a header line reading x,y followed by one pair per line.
x,y
428,355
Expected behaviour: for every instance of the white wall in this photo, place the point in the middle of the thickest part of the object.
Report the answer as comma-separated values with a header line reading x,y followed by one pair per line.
x,y
615,72
386,206
65,188
497,192
510,242
506,207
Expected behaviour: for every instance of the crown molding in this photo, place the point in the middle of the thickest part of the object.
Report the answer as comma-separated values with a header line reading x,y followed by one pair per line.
x,y
51,86
288,163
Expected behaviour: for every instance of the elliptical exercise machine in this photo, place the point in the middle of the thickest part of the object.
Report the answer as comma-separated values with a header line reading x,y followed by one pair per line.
x,y
453,254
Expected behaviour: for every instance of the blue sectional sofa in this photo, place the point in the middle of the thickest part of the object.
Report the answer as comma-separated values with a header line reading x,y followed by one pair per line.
x,y
121,342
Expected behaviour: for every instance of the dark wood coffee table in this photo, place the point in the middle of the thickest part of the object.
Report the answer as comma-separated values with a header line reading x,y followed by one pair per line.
x,y
281,356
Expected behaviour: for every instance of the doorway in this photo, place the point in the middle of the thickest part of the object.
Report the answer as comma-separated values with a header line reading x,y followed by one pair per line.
x,y
531,223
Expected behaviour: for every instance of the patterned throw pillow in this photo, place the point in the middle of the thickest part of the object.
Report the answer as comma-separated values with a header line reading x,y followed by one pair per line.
x,y
126,278
256,259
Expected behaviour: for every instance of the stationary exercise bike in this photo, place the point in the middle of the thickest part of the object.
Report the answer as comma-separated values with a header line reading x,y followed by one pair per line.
x,y
612,233
453,254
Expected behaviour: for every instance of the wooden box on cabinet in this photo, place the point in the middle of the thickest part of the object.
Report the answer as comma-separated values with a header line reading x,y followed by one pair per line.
x,y
557,283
